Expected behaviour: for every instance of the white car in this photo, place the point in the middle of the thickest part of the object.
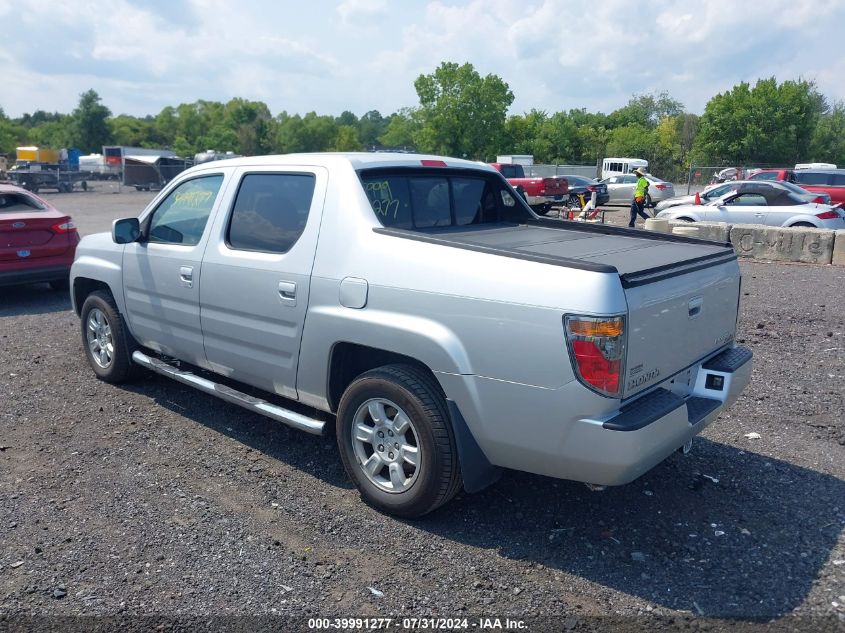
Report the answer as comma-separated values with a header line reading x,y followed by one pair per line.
x,y
761,203
621,189
712,193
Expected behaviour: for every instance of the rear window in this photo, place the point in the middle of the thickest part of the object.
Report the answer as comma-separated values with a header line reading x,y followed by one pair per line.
x,y
427,200
806,177
512,171
18,202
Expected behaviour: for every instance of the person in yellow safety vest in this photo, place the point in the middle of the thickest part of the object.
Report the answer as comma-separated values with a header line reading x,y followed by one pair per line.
x,y
640,193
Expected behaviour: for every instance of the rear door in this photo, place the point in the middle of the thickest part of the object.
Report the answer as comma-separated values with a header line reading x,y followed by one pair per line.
x,y
162,273
257,276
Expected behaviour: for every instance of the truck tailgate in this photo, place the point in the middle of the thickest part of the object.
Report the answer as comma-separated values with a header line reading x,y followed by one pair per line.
x,y
682,294
677,320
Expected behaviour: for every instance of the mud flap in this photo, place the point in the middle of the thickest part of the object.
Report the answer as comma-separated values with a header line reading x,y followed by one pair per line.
x,y
476,469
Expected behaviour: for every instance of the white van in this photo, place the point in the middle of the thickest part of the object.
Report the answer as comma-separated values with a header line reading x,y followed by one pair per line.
x,y
620,166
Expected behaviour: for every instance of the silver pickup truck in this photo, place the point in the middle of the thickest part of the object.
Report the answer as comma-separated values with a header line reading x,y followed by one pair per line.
x,y
419,307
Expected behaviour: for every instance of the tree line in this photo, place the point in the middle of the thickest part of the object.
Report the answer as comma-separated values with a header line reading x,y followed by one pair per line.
x,y
462,113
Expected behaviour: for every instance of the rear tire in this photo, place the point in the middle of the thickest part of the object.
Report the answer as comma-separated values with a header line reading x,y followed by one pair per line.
x,y
803,224
396,441
107,343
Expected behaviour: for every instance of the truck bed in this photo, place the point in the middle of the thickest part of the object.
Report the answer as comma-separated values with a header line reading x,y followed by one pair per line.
x,y
638,257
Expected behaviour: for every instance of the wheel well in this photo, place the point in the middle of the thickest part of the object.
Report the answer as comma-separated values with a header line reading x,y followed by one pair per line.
x,y
82,287
350,360
803,224
684,218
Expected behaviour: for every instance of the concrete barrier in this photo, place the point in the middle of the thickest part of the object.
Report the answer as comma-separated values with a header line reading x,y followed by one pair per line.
x,y
690,230
661,225
813,246
715,231
808,245
838,257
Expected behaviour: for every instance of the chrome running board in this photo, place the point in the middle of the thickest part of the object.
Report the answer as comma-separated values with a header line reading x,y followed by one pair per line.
x,y
256,405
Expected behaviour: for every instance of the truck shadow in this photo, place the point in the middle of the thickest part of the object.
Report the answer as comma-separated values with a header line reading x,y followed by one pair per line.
x,y
721,532
32,299
749,545
272,439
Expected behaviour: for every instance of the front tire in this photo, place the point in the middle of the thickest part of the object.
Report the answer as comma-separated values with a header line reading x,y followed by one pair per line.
x,y
396,441
107,343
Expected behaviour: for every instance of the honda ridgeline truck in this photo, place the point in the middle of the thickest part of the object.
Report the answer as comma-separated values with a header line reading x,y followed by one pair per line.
x,y
419,303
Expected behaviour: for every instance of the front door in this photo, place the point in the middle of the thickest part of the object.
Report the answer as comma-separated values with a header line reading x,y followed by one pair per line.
x,y
257,276
744,208
161,273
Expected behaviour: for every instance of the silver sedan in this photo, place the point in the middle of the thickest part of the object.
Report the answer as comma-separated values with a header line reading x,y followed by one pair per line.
x,y
621,189
712,193
761,203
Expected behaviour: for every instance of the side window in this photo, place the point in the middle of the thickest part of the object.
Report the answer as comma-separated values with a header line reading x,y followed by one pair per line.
x,y
182,216
838,180
811,178
270,212
748,200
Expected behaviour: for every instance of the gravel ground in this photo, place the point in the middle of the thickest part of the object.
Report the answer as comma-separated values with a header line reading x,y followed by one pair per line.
x,y
155,499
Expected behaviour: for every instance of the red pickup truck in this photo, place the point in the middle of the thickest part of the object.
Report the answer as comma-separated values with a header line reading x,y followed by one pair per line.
x,y
541,193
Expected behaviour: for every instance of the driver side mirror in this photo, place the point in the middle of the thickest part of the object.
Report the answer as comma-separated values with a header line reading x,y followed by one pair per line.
x,y
125,231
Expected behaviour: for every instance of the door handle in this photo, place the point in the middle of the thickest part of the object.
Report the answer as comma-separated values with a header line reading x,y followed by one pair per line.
x,y
186,276
287,292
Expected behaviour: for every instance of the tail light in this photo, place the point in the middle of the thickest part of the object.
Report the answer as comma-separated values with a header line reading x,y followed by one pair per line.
x,y
64,227
427,162
828,215
592,188
660,186
819,200
597,350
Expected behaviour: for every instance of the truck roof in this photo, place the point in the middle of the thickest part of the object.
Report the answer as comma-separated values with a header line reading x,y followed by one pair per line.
x,y
358,160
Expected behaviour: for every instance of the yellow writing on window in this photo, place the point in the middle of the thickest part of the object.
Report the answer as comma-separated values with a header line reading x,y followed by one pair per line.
x,y
192,199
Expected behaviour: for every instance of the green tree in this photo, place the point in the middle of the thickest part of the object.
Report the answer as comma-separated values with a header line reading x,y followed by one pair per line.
x,y
461,113
770,123
90,128
371,126
646,110
828,142
347,139
401,129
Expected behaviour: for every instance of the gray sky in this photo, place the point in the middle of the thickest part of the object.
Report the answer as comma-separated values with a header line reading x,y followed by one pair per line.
x,y
362,55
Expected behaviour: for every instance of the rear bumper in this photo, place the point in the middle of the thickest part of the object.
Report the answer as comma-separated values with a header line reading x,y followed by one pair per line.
x,y
563,433
34,275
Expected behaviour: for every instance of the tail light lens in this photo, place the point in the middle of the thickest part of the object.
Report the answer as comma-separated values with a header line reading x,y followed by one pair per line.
x,y
659,186
64,227
597,350
828,215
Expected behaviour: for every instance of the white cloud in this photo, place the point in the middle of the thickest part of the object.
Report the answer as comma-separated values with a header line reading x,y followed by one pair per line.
x,y
352,10
365,54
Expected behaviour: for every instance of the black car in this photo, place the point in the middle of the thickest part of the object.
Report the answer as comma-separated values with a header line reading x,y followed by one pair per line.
x,y
581,185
